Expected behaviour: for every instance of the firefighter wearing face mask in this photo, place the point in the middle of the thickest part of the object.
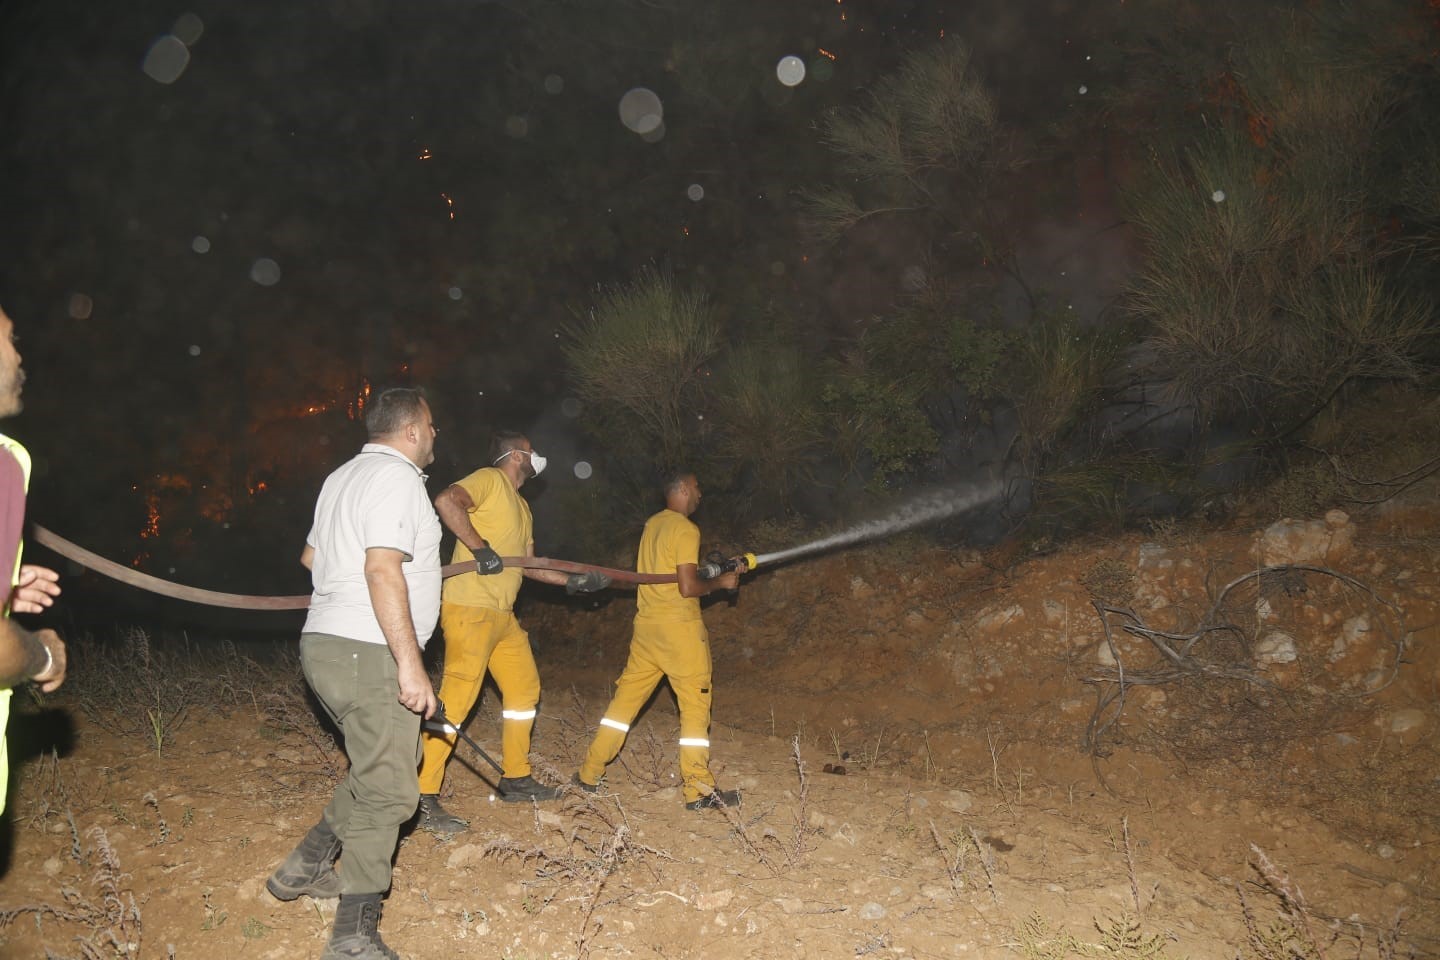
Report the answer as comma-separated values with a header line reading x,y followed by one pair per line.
x,y
490,519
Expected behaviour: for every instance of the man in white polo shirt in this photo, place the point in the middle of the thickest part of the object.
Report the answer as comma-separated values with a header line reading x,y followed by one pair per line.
x,y
374,558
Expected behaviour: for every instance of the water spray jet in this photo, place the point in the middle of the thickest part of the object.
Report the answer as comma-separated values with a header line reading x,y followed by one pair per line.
x,y
928,508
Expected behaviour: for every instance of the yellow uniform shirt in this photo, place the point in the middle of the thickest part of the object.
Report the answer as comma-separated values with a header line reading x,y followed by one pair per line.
x,y
669,540
22,460
502,517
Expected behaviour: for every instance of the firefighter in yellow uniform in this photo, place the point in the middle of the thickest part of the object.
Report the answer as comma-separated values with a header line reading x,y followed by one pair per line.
x,y
490,519
37,656
670,642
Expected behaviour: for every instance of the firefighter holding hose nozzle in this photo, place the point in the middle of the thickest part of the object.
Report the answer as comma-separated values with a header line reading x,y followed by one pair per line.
x,y
670,642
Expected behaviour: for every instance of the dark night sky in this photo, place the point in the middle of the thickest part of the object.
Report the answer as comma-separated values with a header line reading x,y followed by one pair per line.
x,y
327,137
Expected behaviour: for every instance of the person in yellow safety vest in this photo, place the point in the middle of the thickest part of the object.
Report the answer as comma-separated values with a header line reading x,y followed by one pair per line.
x,y
490,519
669,641
37,656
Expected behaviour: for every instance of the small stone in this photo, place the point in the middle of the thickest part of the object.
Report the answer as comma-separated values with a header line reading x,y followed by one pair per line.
x,y
464,856
1355,628
1384,851
791,905
1403,721
51,867
1336,518
716,900
957,801
1054,888
1276,647
872,911
1396,892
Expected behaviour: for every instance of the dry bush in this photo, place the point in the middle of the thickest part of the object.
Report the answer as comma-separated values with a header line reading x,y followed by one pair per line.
x,y
98,904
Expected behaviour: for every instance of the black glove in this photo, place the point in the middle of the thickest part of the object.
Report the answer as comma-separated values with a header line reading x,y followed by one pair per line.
x,y
588,582
487,561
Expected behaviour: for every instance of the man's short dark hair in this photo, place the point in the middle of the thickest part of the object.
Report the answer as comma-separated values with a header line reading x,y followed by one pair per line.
x,y
503,442
391,410
672,477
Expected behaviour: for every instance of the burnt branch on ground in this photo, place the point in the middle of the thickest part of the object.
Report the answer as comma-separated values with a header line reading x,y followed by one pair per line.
x,y
1216,653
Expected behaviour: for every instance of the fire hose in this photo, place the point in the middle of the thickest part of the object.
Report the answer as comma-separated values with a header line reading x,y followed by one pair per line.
x,y
241,601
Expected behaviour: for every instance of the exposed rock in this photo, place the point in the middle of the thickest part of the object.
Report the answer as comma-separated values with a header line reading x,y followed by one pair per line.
x,y
860,590
872,911
1276,647
1305,541
1154,557
1054,612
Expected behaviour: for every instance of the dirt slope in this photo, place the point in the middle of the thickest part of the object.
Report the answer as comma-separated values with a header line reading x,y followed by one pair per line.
x,y
954,689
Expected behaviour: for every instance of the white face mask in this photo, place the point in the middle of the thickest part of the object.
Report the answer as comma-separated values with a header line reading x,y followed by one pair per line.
x,y
537,462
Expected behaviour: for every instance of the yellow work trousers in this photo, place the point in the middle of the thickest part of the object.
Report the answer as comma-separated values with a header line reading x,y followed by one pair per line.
x,y
477,638
680,653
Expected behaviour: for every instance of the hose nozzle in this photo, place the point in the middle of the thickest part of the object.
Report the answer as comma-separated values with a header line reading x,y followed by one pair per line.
x,y
715,565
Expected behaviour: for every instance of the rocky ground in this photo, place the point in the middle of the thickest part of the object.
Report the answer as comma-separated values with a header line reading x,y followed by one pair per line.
x,y
1195,743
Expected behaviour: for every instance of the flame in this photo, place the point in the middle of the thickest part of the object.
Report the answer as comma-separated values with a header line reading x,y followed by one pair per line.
x,y
152,519
826,53
425,154
450,203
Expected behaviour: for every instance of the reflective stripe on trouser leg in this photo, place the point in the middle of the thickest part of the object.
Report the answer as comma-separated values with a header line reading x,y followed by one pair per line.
x,y
356,684
470,636
512,664
637,681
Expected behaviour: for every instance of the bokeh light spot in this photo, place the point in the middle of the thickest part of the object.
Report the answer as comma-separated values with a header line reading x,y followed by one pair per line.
x,y
166,59
1084,89
790,71
188,29
1218,196
194,350
583,470
455,293
641,110
695,192
554,83
80,306
265,272
200,244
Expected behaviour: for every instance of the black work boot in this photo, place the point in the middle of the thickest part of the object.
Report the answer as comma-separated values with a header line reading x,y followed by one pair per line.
x,y
716,798
437,820
522,789
575,781
310,868
355,935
